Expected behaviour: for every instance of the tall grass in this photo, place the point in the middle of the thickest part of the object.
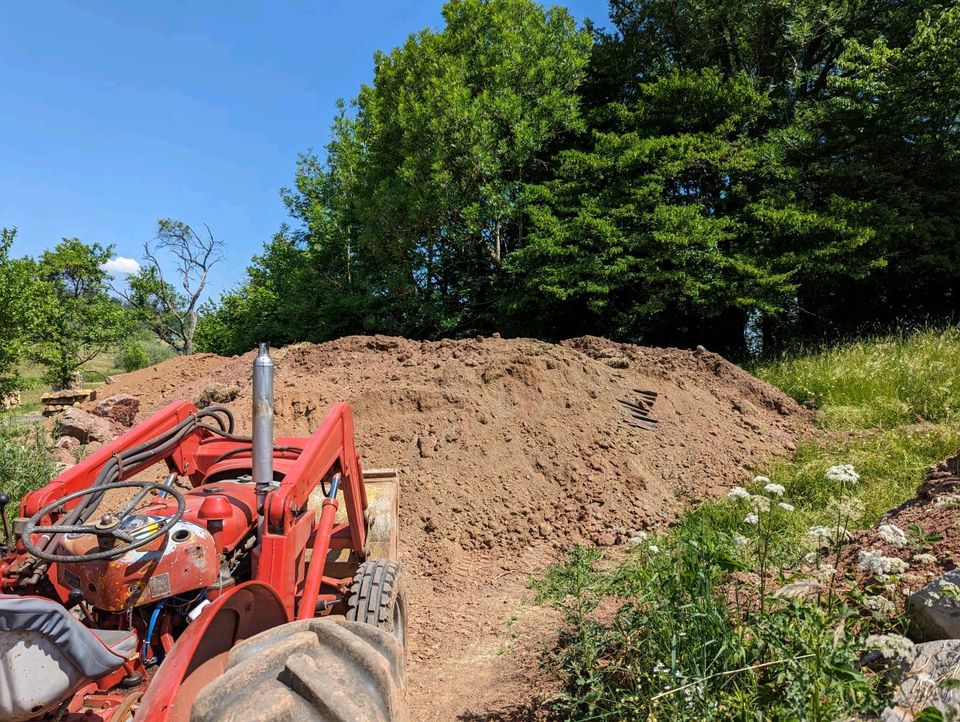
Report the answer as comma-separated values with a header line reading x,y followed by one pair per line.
x,y
665,635
884,382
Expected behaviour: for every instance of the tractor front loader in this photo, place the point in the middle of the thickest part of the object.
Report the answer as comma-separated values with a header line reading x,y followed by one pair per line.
x,y
256,581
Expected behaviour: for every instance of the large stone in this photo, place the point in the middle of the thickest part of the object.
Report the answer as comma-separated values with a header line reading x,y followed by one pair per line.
x,y
84,426
925,674
121,408
934,611
9,400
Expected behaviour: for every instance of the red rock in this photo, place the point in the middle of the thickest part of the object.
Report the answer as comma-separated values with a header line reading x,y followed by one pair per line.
x,y
121,408
84,426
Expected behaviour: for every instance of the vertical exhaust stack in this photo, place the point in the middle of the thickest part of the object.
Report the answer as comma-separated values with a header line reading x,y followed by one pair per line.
x,y
263,417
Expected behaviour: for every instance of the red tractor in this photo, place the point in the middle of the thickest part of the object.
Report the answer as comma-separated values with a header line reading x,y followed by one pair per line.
x,y
255,579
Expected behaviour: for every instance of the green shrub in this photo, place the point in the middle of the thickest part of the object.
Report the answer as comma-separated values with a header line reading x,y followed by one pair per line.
x,y
25,460
132,356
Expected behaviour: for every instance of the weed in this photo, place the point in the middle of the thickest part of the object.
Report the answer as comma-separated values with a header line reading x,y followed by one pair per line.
x,y
25,460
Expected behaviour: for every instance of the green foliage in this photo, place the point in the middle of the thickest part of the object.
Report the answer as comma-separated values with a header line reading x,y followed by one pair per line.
x,y
706,172
887,381
76,319
677,221
25,460
132,356
406,225
18,309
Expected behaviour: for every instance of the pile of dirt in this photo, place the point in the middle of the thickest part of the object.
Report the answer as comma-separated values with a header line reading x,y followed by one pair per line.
x,y
509,451
502,442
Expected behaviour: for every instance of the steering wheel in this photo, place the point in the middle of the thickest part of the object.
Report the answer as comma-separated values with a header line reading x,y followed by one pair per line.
x,y
109,527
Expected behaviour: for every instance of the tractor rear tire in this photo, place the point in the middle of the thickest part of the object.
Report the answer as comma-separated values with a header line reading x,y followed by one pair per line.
x,y
377,597
310,670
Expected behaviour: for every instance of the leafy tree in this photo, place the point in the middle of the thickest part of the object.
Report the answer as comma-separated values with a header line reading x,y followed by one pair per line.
x,y
406,225
888,136
170,312
675,225
76,318
18,308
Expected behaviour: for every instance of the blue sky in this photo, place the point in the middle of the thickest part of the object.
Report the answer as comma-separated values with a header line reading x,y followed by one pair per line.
x,y
115,114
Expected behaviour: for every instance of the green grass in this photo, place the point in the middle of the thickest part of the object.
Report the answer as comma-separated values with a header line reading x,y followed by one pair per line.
x,y
683,629
879,383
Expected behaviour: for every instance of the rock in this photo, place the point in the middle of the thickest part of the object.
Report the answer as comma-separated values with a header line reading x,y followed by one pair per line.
x,y
109,380
923,673
67,443
427,445
65,450
605,540
934,611
84,426
121,408
9,400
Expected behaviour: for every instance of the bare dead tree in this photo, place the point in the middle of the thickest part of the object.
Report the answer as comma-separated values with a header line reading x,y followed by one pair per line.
x,y
172,308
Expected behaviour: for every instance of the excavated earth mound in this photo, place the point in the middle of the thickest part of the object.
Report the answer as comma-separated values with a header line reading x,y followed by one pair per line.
x,y
502,442
509,451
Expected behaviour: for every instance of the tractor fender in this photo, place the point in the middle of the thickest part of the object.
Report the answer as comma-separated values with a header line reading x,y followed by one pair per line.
x,y
200,654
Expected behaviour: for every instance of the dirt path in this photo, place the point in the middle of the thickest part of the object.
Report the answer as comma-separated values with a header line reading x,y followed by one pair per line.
x,y
509,451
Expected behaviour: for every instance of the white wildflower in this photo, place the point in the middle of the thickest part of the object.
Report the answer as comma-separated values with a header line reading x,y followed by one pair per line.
x,y
828,534
638,537
737,493
761,480
842,472
875,562
760,503
653,549
786,507
774,489
892,534
948,501
881,605
751,518
740,541
848,508
889,645
924,558
825,572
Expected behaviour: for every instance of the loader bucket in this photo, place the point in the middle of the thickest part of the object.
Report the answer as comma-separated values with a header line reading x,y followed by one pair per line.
x,y
383,513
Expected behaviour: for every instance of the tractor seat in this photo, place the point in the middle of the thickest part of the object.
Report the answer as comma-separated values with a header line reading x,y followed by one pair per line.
x,y
46,655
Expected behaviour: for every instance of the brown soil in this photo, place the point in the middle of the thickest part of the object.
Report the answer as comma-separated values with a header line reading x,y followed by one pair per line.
x,y
510,451
936,511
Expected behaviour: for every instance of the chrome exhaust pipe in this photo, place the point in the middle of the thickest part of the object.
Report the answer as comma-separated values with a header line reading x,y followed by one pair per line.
x,y
263,417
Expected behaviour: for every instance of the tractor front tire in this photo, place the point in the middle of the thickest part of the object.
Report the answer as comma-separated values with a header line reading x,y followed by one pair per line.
x,y
377,597
310,670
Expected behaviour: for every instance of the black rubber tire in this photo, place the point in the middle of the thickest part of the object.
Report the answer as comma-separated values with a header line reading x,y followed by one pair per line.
x,y
377,597
311,670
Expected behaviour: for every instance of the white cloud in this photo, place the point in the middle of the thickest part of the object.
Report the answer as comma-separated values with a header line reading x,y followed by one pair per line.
x,y
122,265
